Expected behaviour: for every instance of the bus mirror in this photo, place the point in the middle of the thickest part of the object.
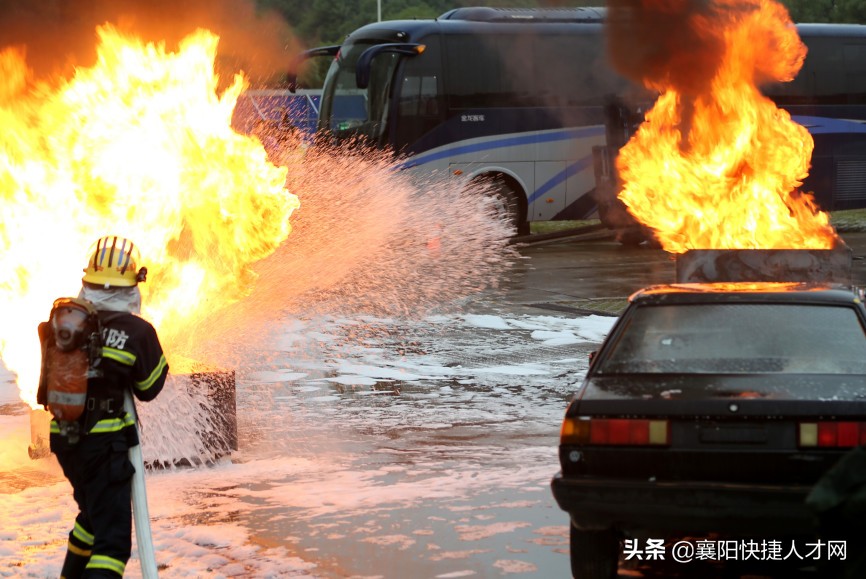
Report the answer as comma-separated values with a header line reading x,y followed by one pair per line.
x,y
292,75
365,62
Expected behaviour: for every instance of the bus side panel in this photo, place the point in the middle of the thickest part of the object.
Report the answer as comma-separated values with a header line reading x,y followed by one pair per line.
x,y
556,165
549,196
580,187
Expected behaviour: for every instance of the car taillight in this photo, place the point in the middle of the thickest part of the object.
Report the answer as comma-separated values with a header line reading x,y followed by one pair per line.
x,y
827,434
615,431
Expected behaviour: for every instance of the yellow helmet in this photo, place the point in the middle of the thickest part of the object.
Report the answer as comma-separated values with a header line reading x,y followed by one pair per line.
x,y
114,262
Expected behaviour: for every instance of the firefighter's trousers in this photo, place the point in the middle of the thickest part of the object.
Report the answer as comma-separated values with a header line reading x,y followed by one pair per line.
x,y
100,473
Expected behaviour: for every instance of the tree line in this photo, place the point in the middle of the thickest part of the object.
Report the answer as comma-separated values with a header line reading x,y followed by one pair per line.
x,y
327,22
841,11
59,34
322,22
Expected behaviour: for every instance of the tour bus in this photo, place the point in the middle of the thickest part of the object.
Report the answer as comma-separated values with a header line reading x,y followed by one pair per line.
x,y
522,97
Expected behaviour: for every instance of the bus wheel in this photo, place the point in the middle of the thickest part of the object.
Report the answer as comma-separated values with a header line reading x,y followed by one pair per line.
x,y
508,201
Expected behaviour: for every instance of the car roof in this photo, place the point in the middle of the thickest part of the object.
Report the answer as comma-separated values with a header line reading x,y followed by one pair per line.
x,y
747,292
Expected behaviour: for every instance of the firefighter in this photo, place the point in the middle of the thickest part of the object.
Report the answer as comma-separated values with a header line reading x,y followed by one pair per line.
x,y
94,449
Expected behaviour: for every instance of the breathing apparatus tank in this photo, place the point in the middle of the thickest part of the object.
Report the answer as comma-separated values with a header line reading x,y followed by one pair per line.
x,y
71,354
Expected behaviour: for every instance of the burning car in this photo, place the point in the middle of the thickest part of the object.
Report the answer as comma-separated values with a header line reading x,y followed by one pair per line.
x,y
714,407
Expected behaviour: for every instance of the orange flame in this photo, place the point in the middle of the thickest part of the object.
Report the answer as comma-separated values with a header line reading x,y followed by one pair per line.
x,y
718,166
139,145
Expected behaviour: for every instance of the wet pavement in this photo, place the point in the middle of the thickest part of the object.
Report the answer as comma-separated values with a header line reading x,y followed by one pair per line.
x,y
386,448
582,272
586,272
456,469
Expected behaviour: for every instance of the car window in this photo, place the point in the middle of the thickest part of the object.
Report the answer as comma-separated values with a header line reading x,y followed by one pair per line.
x,y
739,339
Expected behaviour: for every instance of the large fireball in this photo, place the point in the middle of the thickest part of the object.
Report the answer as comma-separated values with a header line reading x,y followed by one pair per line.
x,y
138,145
716,165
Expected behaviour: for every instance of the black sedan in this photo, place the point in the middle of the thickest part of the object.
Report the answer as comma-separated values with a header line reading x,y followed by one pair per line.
x,y
711,408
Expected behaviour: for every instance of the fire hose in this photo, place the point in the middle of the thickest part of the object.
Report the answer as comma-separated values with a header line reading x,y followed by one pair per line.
x,y
140,514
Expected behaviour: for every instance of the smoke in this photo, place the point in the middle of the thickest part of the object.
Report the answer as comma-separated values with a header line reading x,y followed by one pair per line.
x,y
61,35
683,44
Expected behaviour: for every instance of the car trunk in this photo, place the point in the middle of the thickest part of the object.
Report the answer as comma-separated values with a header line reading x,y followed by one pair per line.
x,y
736,429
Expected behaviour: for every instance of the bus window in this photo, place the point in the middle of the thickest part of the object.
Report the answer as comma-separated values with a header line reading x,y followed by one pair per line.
x,y
833,73
429,105
418,109
410,96
583,82
855,72
473,72
502,70
418,97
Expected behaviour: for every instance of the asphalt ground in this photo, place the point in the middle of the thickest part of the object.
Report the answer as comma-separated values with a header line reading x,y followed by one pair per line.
x,y
588,271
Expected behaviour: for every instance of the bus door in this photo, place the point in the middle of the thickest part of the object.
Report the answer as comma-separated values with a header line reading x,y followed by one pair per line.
x,y
420,104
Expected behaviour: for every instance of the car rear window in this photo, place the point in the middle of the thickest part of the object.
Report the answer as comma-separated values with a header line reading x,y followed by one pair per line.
x,y
739,339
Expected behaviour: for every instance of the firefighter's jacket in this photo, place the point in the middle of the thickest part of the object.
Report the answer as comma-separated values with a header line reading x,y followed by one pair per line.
x,y
132,357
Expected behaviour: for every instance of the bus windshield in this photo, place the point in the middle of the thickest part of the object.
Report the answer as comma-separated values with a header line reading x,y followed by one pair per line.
x,y
349,111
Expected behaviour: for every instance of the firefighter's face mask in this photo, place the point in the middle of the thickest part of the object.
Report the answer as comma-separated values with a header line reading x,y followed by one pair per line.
x,y
121,299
